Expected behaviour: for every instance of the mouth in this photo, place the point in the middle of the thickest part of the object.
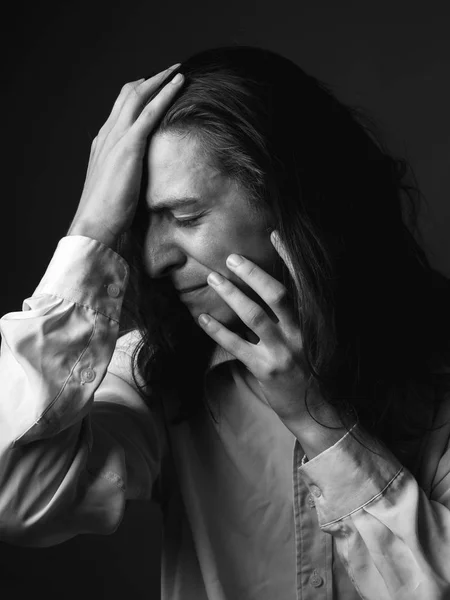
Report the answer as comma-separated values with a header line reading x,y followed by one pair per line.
x,y
190,290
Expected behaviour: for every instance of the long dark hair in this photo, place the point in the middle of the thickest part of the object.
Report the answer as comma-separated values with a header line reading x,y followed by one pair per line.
x,y
373,313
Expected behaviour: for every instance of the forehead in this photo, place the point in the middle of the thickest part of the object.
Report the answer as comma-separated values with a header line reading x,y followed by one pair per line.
x,y
177,170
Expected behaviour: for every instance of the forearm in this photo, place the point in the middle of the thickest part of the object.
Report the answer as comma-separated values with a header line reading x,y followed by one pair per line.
x,y
95,232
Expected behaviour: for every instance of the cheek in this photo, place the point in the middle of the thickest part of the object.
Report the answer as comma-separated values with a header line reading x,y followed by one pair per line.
x,y
258,248
212,246
213,243
208,249
238,236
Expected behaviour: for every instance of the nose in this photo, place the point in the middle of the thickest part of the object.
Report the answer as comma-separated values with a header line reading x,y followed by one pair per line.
x,y
162,253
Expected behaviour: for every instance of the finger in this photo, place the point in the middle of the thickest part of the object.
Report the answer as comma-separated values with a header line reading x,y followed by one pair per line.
x,y
124,92
139,95
272,291
155,109
111,121
231,342
131,87
250,312
130,90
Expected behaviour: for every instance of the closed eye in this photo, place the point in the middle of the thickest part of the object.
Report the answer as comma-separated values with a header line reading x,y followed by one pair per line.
x,y
191,222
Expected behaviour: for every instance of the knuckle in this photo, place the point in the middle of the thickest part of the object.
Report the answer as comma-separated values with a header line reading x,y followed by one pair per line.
x,y
269,369
278,297
282,365
149,107
286,363
103,131
137,92
253,271
256,318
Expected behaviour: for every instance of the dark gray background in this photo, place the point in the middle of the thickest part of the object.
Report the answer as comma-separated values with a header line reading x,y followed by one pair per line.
x,y
62,68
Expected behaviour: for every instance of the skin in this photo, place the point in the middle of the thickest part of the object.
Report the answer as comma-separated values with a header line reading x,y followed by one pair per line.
x,y
227,224
250,299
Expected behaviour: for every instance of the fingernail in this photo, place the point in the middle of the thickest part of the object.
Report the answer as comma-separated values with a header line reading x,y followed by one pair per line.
x,y
215,278
178,77
174,66
204,319
234,260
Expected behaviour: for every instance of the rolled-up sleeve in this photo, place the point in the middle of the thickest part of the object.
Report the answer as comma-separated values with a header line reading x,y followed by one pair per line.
x,y
392,537
76,438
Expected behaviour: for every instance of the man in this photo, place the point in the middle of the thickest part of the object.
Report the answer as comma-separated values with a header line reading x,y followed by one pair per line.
x,y
247,203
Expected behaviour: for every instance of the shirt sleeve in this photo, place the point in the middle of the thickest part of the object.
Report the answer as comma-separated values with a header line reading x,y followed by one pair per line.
x,y
76,438
391,536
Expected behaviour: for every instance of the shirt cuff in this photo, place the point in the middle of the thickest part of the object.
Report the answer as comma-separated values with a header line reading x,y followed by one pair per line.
x,y
87,272
348,475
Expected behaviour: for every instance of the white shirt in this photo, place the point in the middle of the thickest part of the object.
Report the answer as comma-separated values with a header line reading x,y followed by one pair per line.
x,y
243,519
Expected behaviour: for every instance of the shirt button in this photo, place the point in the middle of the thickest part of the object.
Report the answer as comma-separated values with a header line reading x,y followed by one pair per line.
x,y
315,580
87,375
113,290
315,491
311,502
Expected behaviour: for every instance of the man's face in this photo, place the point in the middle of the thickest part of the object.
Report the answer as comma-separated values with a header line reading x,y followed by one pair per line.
x,y
224,224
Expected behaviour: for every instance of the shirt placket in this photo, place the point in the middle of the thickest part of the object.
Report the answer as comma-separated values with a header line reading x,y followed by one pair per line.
x,y
313,547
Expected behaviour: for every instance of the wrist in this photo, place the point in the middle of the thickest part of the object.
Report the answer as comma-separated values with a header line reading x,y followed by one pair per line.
x,y
94,232
319,431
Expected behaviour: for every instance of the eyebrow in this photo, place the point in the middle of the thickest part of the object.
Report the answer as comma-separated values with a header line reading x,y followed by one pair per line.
x,y
170,203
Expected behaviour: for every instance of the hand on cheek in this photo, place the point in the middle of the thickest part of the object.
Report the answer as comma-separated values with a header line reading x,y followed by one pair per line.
x,y
277,359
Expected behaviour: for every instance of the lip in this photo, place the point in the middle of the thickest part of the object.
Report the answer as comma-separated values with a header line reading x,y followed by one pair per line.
x,y
190,290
